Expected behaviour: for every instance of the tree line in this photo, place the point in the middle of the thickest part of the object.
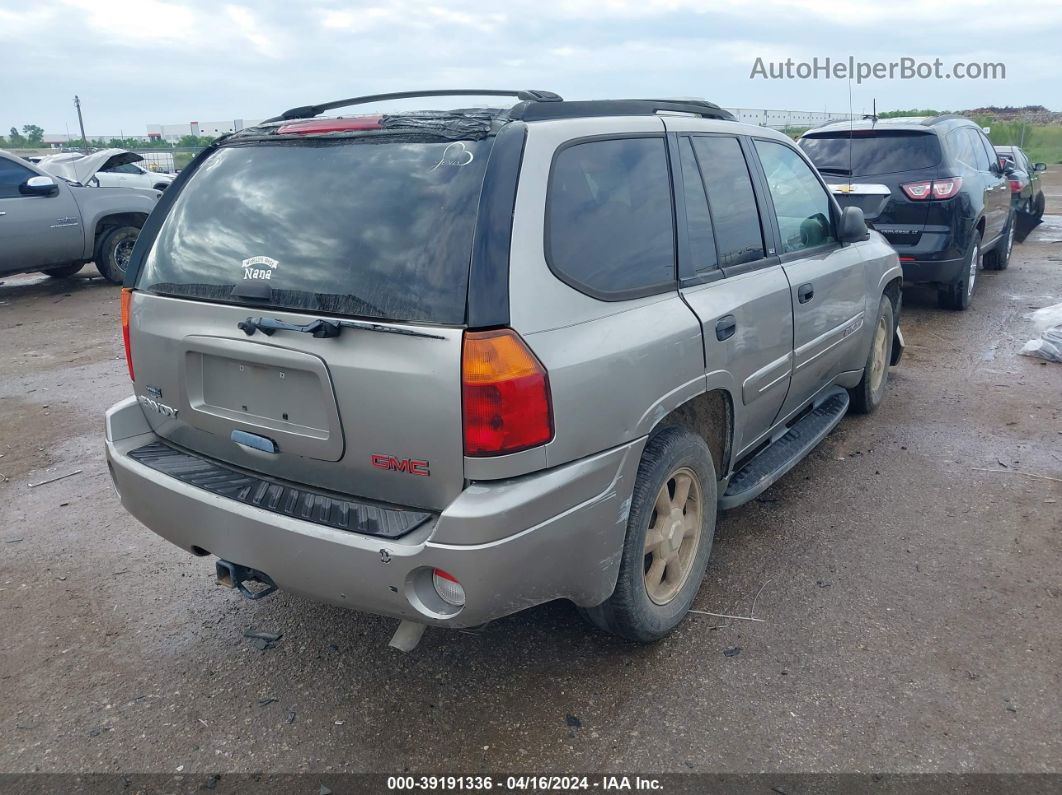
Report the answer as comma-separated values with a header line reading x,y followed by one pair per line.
x,y
32,137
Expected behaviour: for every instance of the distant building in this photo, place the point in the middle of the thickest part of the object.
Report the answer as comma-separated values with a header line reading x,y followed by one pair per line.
x,y
781,119
174,132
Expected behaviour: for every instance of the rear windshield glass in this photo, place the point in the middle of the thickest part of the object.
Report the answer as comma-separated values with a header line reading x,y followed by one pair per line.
x,y
877,152
379,227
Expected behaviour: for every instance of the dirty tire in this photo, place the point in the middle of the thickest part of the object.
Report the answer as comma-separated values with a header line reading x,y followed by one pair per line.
x,y
999,257
868,394
630,612
958,294
64,272
112,254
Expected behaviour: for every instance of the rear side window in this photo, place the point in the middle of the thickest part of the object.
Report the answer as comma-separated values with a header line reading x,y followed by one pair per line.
x,y
734,211
863,152
962,147
609,228
379,227
11,176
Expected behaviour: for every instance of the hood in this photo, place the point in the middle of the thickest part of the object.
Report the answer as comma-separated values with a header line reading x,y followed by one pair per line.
x,y
82,168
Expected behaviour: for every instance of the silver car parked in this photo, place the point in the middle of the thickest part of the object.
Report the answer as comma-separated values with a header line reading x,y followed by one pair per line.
x,y
447,365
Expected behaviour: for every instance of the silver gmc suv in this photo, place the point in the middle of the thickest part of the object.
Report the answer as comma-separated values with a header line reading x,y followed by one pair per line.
x,y
445,365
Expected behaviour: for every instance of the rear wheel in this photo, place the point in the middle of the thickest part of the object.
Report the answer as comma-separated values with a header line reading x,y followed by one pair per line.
x,y
999,258
867,395
114,251
669,538
64,272
958,294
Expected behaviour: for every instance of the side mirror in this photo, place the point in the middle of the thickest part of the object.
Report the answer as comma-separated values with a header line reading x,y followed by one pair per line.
x,y
853,227
39,186
1040,167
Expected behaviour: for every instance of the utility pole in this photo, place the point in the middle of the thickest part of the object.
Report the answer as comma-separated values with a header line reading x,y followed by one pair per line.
x,y
81,122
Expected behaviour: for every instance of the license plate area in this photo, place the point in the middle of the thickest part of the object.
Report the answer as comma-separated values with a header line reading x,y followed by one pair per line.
x,y
279,393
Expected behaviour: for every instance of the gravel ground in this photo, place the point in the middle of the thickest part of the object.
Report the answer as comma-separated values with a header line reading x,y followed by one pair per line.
x,y
911,600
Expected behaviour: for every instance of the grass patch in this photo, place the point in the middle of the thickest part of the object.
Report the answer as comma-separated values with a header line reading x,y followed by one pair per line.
x,y
1042,142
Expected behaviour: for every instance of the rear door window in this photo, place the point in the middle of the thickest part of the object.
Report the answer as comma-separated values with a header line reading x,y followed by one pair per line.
x,y
862,152
376,227
737,218
609,226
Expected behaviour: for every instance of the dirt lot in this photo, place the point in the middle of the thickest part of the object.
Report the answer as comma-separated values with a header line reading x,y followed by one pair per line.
x,y
912,600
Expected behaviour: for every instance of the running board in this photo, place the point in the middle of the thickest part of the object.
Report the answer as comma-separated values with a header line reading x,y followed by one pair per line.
x,y
783,454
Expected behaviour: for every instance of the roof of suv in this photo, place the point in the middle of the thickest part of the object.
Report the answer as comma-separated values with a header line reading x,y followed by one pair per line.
x,y
533,105
922,123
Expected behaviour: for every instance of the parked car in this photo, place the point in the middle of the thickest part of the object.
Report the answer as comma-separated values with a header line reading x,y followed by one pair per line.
x,y
108,168
459,363
949,201
55,226
1026,190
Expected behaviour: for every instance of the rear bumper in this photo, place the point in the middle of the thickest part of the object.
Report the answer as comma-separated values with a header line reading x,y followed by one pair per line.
x,y
938,272
531,555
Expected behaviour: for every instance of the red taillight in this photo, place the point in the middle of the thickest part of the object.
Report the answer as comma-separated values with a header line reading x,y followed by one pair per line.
x,y
127,297
946,188
1015,185
932,189
917,191
505,392
318,126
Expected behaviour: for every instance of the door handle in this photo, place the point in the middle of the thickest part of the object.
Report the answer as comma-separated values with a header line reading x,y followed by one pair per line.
x,y
725,327
2,212
805,293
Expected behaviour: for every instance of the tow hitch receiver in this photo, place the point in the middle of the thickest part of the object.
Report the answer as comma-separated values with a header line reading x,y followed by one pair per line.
x,y
233,575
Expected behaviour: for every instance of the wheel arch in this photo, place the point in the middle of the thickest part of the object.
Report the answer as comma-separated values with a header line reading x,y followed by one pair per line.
x,y
108,222
711,416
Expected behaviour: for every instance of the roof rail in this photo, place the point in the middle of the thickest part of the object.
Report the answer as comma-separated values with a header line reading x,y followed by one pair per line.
x,y
309,111
538,111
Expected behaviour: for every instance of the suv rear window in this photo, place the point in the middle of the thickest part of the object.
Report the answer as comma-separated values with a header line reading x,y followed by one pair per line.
x,y
874,152
379,227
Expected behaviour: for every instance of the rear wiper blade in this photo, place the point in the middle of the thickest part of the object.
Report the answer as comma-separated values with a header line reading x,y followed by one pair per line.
x,y
324,329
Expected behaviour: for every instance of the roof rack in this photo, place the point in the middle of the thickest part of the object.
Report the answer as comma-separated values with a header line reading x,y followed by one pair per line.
x,y
533,105
309,111
538,111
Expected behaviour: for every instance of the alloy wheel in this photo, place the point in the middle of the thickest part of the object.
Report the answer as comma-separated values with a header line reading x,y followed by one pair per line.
x,y
673,536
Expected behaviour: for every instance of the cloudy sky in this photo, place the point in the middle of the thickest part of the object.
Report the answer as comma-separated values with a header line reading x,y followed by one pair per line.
x,y
140,61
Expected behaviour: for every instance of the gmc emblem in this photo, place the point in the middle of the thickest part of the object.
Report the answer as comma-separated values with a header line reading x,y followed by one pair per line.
x,y
410,466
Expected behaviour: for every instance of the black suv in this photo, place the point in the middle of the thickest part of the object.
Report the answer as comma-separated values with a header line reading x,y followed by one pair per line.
x,y
949,200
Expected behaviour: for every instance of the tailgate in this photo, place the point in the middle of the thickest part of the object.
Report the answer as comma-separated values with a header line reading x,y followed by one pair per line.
x,y
300,311
367,413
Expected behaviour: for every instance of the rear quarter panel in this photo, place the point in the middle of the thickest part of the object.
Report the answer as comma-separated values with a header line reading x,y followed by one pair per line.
x,y
615,367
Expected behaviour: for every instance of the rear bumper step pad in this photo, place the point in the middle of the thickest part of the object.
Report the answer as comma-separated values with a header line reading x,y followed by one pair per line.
x,y
278,497
782,455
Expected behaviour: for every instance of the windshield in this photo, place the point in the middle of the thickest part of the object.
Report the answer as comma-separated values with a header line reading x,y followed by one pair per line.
x,y
376,227
872,151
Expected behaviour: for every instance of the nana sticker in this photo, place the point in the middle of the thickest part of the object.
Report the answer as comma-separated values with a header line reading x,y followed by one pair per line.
x,y
259,267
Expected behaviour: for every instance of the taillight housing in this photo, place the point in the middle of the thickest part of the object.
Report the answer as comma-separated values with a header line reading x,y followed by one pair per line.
x,y
939,189
1015,185
505,394
127,297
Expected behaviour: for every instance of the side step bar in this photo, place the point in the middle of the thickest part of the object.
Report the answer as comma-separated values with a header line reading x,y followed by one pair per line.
x,y
783,454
